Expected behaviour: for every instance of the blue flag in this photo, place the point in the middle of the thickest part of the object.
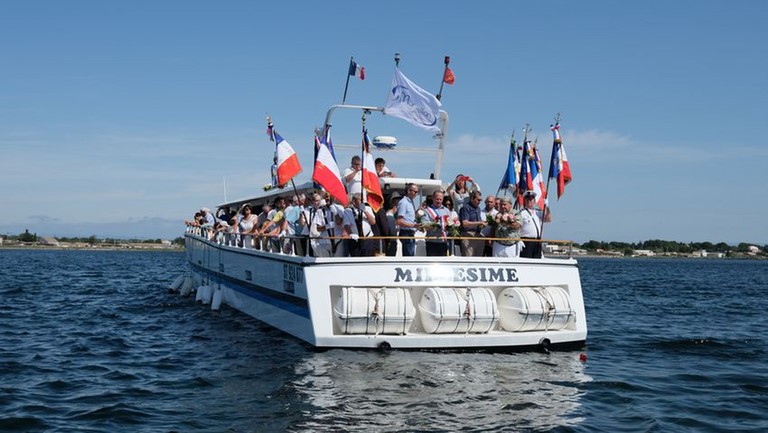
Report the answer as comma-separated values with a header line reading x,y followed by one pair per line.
x,y
510,176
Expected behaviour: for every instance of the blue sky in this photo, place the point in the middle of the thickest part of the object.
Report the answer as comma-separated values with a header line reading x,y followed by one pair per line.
x,y
121,119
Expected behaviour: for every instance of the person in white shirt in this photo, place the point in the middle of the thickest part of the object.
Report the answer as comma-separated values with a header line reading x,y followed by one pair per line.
x,y
531,221
316,228
487,232
357,224
334,216
353,176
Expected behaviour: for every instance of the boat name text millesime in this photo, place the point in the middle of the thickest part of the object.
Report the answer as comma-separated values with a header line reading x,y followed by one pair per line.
x,y
458,274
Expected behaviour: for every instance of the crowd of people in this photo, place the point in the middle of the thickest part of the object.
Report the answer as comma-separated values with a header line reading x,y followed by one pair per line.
x,y
314,224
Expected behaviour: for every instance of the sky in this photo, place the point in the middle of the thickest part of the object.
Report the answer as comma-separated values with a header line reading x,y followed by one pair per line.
x,y
121,119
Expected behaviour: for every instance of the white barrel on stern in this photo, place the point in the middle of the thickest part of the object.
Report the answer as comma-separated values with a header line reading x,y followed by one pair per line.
x,y
446,310
535,308
380,310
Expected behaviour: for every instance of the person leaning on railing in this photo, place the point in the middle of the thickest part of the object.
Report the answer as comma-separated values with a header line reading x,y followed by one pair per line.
x,y
247,225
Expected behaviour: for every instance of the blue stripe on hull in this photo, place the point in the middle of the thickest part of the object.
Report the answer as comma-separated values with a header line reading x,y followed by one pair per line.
x,y
280,300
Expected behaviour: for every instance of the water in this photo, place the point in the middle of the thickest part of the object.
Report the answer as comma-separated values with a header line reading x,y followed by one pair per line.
x,y
90,341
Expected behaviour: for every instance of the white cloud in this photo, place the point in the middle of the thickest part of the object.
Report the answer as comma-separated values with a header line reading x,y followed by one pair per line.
x,y
595,140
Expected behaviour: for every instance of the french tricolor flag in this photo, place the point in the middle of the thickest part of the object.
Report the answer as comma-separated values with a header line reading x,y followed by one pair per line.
x,y
327,173
287,161
374,197
559,167
356,70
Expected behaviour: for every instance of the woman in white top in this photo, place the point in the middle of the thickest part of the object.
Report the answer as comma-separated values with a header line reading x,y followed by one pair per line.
x,y
460,189
247,225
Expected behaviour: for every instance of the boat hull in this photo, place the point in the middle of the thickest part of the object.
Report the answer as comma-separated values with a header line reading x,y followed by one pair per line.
x,y
309,298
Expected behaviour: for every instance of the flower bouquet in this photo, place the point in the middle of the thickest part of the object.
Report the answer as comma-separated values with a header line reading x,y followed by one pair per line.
x,y
506,219
506,226
424,221
453,227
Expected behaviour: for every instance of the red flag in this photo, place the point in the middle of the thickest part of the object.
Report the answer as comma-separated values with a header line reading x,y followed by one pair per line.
x,y
370,179
327,173
448,77
287,161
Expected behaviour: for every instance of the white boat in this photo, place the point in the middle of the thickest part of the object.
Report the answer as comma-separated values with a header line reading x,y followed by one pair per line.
x,y
404,303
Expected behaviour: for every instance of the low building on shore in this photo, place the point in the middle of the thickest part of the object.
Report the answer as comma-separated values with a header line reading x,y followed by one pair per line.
x,y
48,241
705,253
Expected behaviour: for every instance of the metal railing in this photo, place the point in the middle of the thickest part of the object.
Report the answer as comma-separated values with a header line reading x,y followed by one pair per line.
x,y
285,244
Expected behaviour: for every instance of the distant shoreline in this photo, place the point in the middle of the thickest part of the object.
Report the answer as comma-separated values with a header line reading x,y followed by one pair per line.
x,y
130,247
179,248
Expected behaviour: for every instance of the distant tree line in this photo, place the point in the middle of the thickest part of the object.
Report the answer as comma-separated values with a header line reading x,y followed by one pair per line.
x,y
92,240
661,246
655,245
27,237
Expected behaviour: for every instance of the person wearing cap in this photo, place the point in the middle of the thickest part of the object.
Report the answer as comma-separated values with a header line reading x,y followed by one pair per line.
x,y
531,220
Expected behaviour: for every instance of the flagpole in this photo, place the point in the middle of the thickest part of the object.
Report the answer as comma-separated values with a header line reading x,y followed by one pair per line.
x,y
346,86
363,195
546,191
442,82
523,160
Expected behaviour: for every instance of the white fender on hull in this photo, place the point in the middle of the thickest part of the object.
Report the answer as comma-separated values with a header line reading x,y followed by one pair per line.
x,y
217,298
207,294
200,293
176,283
186,287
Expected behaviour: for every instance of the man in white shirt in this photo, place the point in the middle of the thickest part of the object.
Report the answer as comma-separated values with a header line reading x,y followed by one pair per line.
x,y
353,176
531,225
357,224
316,228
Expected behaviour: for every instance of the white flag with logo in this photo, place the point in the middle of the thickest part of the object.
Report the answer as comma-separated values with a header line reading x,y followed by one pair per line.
x,y
412,103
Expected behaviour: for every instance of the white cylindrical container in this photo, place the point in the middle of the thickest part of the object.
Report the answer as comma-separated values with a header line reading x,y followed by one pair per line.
x,y
446,310
535,308
380,310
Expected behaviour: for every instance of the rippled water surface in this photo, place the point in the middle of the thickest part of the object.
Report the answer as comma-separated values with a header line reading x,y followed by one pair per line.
x,y
92,341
